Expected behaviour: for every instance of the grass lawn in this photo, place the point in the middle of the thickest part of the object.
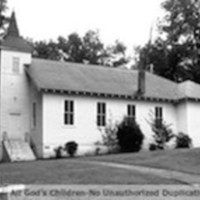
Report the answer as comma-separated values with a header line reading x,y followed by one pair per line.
x,y
184,160
72,171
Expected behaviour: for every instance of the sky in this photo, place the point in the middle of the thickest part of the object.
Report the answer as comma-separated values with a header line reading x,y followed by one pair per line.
x,y
128,21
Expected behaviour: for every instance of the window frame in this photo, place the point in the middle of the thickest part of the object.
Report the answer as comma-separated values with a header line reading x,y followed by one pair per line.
x,y
131,112
101,114
34,114
16,65
69,112
158,115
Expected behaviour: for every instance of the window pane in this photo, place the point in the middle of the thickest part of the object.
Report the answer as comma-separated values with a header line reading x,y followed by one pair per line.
x,y
160,113
15,66
104,108
103,120
71,106
66,106
34,114
133,111
65,119
98,120
98,108
71,119
156,112
129,110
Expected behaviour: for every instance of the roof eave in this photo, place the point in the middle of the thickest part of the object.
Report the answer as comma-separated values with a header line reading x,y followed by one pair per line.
x,y
7,48
107,95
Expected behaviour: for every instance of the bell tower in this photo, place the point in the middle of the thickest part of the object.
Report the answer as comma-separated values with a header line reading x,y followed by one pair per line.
x,y
15,53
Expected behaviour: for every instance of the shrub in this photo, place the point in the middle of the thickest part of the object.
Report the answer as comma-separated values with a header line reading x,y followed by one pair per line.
x,y
97,151
129,136
152,147
109,137
183,141
71,148
162,132
58,152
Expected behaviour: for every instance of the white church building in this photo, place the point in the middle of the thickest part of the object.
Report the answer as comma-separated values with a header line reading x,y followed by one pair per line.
x,y
48,103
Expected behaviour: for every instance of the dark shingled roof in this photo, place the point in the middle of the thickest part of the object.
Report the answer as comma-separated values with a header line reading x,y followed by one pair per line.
x,y
13,28
16,44
66,76
13,41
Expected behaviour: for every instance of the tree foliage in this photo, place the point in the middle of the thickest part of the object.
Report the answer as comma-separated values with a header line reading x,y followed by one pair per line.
x,y
109,137
86,49
162,132
175,54
3,18
115,55
92,47
46,50
72,47
130,136
71,148
183,141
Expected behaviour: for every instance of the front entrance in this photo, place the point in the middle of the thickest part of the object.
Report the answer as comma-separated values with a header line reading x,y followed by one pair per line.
x,y
14,129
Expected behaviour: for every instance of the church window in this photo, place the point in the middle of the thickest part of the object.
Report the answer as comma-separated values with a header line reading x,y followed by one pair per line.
x,y
131,112
158,116
101,114
34,114
68,112
15,65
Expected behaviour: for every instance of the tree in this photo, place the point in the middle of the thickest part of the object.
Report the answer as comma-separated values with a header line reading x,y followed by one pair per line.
x,y
3,18
72,48
115,55
86,49
129,136
93,48
46,50
109,137
162,132
183,141
175,54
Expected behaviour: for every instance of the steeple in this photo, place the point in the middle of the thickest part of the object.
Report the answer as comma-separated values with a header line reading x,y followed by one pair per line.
x,y
12,40
13,28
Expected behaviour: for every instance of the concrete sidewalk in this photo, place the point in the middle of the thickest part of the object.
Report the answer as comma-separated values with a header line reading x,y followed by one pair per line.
x,y
182,177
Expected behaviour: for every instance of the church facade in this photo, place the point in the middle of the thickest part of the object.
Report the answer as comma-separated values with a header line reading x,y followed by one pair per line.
x,y
49,103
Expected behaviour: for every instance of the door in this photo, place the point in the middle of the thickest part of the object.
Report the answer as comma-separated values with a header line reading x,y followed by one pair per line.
x,y
14,129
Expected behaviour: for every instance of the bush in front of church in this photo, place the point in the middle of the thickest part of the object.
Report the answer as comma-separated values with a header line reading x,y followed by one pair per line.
x,y
58,152
183,141
109,137
71,148
129,135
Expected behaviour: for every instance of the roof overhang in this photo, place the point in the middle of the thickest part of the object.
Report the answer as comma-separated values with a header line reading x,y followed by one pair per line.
x,y
106,95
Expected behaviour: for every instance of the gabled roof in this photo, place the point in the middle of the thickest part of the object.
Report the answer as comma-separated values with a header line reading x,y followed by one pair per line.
x,y
188,89
99,80
13,40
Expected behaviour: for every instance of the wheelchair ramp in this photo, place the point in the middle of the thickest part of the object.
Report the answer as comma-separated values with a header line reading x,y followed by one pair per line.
x,y
18,150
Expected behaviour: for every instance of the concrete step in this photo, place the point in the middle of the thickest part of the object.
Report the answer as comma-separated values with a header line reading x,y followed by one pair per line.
x,y
18,150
